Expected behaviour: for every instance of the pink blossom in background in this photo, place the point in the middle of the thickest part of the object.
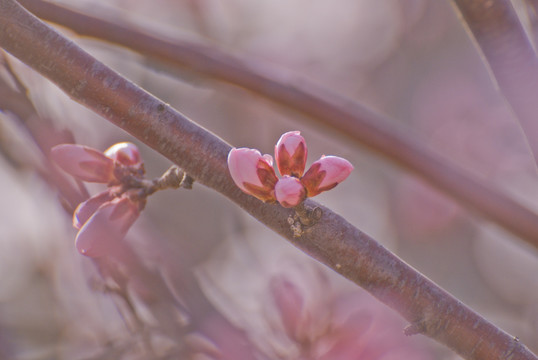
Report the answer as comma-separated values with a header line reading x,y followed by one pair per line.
x,y
254,174
104,219
339,325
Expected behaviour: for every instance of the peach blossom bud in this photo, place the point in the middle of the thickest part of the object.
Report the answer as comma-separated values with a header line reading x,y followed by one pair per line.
x,y
125,153
253,173
87,208
290,302
83,162
325,174
103,231
289,191
290,154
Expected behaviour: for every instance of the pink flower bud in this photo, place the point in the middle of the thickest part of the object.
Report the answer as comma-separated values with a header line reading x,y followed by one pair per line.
x,y
253,173
103,231
125,153
289,191
290,154
325,174
87,208
83,162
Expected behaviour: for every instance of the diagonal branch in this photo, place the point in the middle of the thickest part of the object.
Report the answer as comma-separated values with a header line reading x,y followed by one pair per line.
x,y
505,47
332,241
350,120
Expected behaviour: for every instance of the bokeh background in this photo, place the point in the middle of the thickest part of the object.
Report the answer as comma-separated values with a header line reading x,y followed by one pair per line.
x,y
411,61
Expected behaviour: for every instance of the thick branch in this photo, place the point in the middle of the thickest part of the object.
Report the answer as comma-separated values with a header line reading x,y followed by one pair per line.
x,y
332,241
349,120
505,47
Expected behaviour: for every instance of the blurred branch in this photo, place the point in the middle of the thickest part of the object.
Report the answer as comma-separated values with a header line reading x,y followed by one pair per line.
x,y
505,47
332,241
42,132
349,119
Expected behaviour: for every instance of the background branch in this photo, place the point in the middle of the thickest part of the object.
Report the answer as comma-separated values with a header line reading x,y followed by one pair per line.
x,y
332,241
506,49
330,111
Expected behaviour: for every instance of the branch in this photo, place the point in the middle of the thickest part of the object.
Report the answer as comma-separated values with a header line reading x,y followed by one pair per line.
x,y
506,49
332,241
328,110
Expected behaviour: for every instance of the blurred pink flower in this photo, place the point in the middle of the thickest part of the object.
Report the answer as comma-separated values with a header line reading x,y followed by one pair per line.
x,y
339,326
254,173
104,219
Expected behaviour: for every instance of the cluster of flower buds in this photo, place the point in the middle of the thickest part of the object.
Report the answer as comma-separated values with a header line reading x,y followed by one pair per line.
x,y
254,173
104,219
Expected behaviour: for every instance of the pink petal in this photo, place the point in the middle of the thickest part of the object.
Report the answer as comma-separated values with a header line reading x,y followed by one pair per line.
x,y
325,174
83,162
289,191
101,234
291,153
253,173
290,302
86,209
125,153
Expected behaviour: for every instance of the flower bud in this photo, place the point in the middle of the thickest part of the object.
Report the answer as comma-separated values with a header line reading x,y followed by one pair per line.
x,y
325,174
125,153
289,191
87,208
253,173
291,153
83,162
103,231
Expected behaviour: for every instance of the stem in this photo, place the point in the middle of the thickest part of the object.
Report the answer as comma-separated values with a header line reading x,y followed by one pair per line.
x,y
334,242
332,112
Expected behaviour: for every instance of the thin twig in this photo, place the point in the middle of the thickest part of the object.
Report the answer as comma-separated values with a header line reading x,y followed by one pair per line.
x,y
348,119
332,240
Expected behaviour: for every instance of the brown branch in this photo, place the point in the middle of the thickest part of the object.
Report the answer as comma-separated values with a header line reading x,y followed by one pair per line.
x,y
506,49
332,240
350,120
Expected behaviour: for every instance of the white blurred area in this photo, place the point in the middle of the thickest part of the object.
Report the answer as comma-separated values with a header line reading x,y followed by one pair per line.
x,y
411,61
